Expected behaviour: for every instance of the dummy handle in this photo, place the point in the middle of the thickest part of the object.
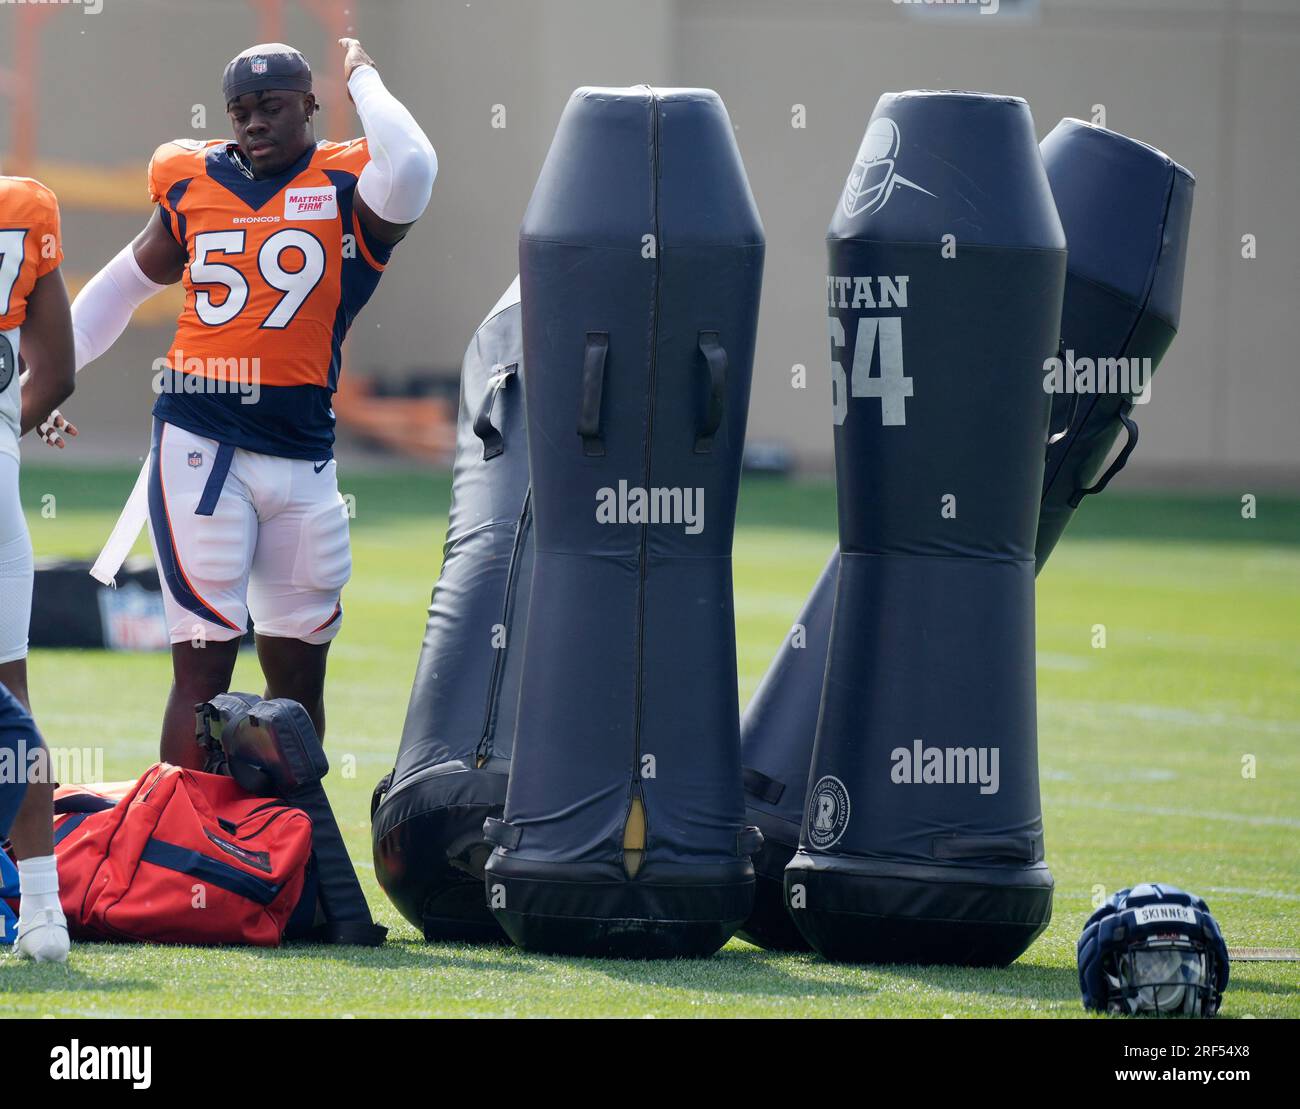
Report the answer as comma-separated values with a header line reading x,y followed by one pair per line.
x,y
715,361
1021,848
757,784
381,788
490,436
593,389
1120,459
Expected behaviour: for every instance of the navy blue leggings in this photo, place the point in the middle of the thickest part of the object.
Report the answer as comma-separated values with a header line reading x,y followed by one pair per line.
x,y
18,738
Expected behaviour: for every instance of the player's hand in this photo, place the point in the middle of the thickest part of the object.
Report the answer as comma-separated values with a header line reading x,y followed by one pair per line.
x,y
54,428
355,56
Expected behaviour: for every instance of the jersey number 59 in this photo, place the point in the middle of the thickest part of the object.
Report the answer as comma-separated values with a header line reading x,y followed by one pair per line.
x,y
296,285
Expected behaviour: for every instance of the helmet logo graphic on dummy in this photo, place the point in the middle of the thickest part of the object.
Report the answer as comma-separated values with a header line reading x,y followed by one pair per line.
x,y
873,178
1153,949
828,812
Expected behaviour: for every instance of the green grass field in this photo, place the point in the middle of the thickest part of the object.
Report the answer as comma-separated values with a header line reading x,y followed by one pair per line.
x,y
1141,750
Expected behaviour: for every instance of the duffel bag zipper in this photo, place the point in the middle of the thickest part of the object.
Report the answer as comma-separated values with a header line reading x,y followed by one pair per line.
x,y
265,824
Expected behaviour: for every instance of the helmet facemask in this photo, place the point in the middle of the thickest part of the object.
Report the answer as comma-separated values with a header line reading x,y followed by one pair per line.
x,y
1168,975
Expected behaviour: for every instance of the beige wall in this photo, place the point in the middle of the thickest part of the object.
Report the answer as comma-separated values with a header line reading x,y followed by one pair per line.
x,y
1212,82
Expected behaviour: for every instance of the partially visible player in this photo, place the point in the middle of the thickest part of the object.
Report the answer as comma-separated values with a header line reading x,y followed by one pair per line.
x,y
36,327
279,240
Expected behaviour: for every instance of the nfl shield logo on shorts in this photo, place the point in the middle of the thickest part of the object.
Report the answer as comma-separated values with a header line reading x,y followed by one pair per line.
x,y
195,459
258,66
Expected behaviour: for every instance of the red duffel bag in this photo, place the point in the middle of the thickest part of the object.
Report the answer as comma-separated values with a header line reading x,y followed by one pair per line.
x,y
181,857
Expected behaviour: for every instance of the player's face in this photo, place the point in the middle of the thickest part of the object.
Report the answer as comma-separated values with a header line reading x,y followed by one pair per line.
x,y
272,128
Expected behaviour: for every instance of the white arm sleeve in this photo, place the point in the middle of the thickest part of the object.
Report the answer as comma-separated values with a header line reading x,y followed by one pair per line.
x,y
104,306
397,181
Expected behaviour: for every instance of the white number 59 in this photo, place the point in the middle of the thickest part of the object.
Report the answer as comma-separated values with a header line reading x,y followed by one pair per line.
x,y
296,285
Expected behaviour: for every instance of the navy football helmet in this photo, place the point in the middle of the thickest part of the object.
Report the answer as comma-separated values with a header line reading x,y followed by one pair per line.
x,y
1153,949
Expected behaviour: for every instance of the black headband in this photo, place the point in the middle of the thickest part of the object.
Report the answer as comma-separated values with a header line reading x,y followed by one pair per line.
x,y
269,66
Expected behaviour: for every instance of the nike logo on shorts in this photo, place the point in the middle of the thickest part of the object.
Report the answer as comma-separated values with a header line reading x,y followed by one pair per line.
x,y
319,466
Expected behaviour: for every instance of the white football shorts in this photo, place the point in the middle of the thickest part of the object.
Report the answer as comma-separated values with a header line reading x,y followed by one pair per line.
x,y
236,532
15,564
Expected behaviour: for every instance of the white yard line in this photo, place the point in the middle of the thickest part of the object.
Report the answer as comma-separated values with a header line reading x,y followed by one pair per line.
x,y
1164,714
1190,814
1272,895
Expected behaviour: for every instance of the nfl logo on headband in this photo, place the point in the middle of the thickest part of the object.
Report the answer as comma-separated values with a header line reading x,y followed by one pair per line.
x,y
268,65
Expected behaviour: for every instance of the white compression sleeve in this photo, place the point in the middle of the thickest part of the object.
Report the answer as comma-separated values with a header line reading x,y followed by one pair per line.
x,y
104,306
398,179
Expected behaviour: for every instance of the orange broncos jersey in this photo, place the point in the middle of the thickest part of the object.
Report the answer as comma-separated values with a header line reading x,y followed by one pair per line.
x,y
30,244
30,248
277,270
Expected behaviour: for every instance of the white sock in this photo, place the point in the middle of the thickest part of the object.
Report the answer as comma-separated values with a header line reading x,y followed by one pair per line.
x,y
38,886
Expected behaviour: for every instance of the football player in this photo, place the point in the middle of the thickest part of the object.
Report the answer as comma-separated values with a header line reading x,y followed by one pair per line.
x,y
36,331
279,240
